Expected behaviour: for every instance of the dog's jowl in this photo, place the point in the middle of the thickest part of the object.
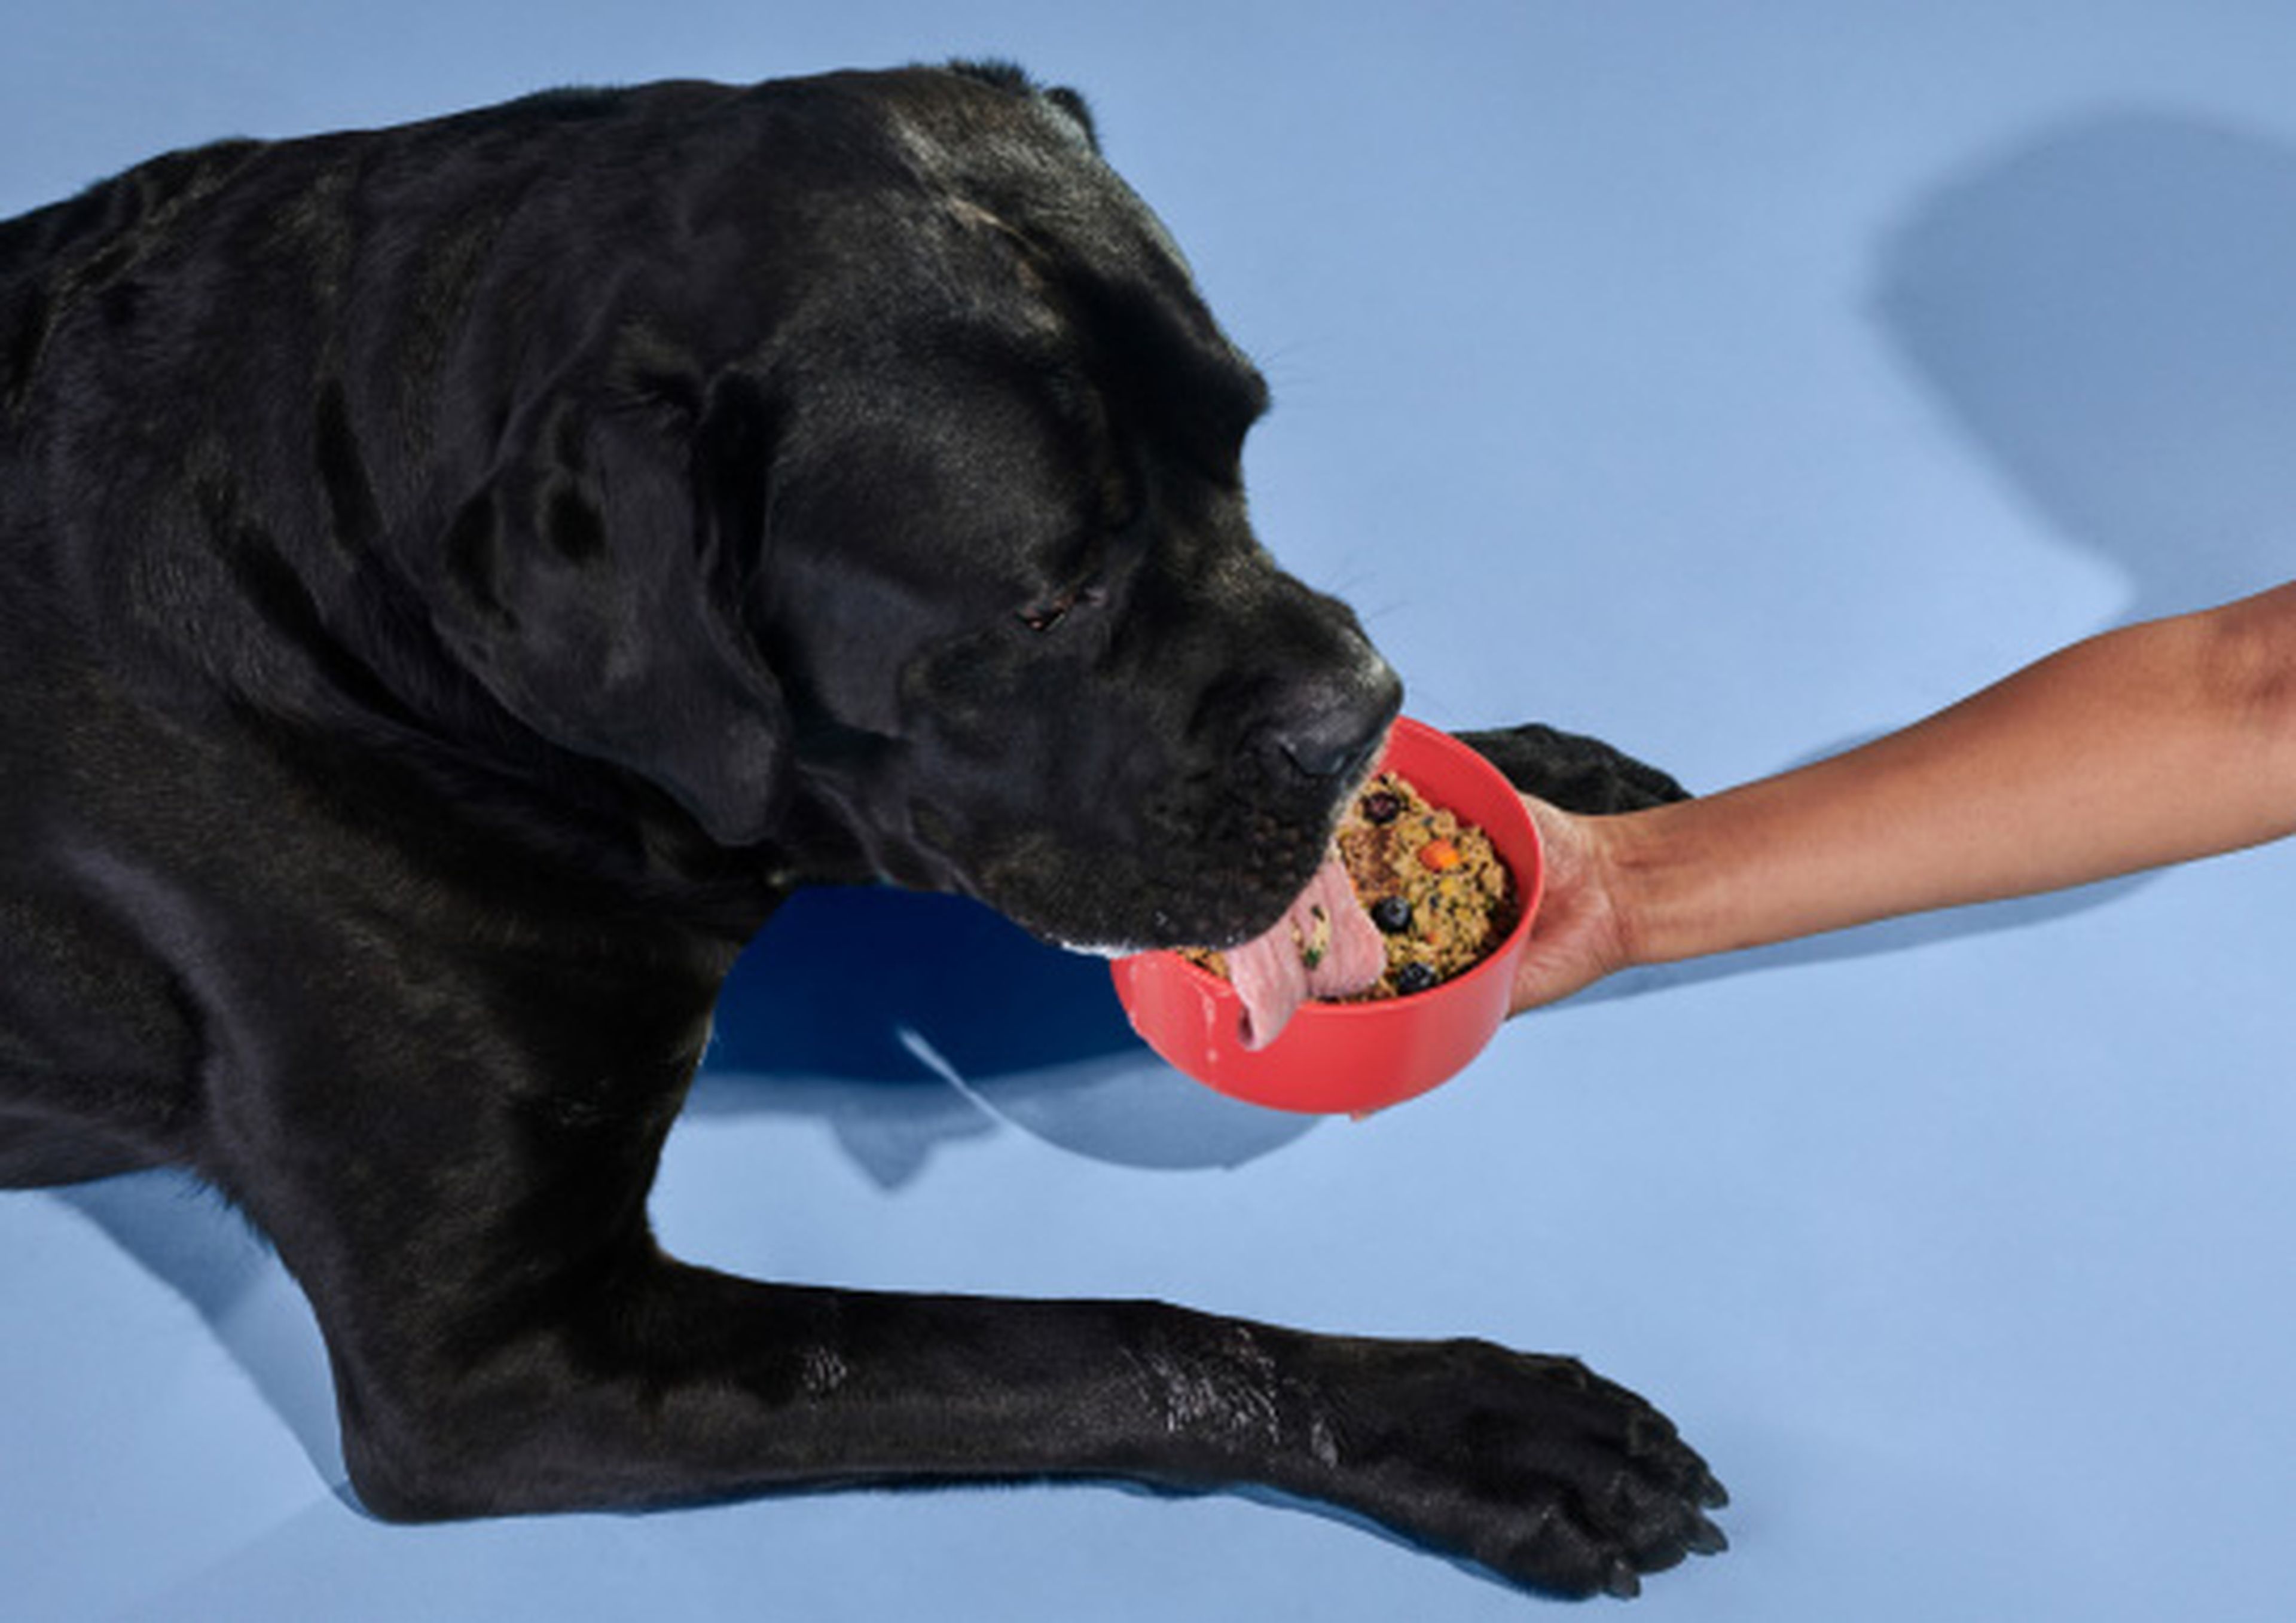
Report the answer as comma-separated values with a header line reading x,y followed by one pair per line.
x,y
454,579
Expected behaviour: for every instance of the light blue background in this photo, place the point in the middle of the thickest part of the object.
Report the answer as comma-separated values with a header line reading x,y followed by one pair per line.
x,y
1733,381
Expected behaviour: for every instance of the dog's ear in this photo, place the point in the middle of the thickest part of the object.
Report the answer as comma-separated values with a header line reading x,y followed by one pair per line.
x,y
593,585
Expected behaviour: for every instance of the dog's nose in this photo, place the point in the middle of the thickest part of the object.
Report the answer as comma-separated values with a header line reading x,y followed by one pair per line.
x,y
1340,748
1329,731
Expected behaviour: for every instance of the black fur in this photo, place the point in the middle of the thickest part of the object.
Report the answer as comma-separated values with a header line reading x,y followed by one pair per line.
x,y
454,579
1577,773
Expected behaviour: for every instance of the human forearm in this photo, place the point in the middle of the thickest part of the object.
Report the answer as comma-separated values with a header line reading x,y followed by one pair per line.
x,y
2153,744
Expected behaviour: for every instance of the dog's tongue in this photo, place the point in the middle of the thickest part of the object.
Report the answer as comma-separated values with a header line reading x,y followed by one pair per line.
x,y
1325,945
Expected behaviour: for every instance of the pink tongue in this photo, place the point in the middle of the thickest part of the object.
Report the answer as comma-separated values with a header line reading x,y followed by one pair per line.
x,y
1272,973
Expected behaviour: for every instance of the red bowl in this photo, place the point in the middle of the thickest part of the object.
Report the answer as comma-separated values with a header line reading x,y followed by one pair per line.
x,y
1354,1058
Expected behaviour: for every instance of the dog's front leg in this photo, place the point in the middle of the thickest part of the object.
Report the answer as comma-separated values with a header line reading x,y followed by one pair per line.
x,y
663,1382
469,1222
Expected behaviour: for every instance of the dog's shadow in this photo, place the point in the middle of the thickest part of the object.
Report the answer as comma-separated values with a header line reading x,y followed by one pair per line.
x,y
909,1022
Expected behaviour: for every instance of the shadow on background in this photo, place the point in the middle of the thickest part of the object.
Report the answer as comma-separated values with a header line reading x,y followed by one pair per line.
x,y
2108,312
189,1238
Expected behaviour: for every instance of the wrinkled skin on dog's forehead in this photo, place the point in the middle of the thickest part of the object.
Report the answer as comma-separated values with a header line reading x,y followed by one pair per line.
x,y
1033,648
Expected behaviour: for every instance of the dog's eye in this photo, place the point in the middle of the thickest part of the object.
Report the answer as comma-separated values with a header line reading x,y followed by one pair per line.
x,y
1052,610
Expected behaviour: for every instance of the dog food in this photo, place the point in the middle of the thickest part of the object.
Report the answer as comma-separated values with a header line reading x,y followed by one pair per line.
x,y
1435,888
1411,898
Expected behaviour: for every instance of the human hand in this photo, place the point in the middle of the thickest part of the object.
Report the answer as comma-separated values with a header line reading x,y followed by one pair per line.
x,y
1578,936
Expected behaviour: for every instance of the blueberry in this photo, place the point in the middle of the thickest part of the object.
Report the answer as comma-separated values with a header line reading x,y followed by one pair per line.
x,y
1392,913
1381,806
1414,977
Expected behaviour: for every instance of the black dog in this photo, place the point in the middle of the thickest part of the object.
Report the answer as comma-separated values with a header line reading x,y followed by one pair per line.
x,y
453,580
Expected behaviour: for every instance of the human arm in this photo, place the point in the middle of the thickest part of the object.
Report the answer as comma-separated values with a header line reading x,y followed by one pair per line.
x,y
2148,745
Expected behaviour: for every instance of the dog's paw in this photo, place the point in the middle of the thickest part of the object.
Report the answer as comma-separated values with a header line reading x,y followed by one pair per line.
x,y
1533,1467
1574,772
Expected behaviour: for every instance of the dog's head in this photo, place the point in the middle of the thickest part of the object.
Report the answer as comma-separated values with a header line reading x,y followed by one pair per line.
x,y
955,559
